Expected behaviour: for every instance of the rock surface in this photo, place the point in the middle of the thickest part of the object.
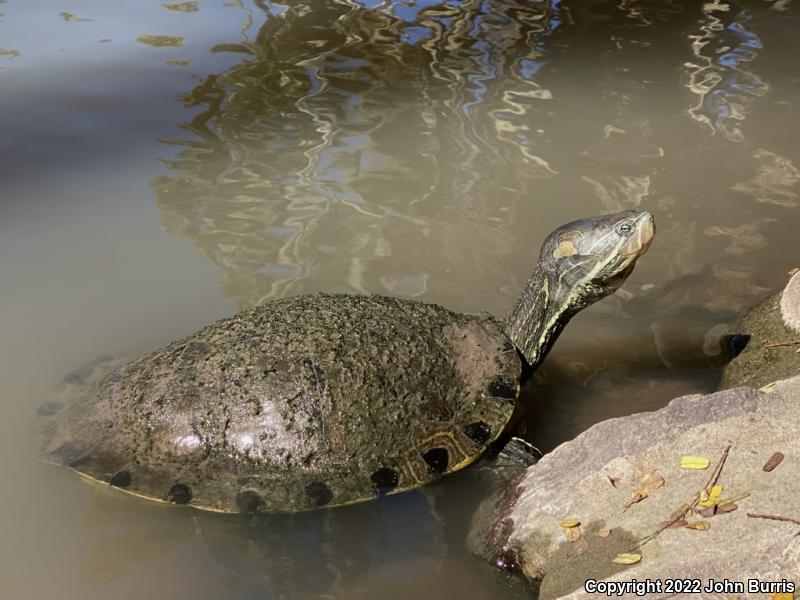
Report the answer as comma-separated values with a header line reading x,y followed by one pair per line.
x,y
790,303
575,481
770,322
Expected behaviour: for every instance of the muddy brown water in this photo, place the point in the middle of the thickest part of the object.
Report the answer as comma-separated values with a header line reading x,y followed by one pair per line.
x,y
164,164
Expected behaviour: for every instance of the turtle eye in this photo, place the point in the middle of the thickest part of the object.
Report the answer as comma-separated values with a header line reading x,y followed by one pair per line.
x,y
625,228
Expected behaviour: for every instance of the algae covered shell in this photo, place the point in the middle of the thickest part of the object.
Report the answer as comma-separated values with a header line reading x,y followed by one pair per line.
x,y
310,401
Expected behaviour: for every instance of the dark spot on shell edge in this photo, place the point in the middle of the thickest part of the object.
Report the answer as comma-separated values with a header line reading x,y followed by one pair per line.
x,y
120,479
180,493
479,432
249,502
79,462
500,388
437,460
384,480
319,493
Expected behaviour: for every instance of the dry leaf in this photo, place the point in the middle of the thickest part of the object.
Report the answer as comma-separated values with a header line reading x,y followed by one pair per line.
x,y
728,507
627,558
638,496
708,511
710,497
773,462
604,532
652,481
614,481
699,525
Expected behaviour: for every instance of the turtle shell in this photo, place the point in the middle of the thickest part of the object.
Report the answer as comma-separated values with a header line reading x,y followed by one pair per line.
x,y
310,401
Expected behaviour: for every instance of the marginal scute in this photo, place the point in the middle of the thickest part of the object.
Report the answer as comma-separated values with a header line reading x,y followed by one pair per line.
x,y
500,388
437,460
384,480
120,479
79,462
179,493
319,493
249,502
479,432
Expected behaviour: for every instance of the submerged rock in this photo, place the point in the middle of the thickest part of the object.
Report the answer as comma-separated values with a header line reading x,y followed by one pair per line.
x,y
755,341
592,477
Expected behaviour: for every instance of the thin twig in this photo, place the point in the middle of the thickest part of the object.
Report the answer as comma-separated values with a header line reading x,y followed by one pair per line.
x,y
779,344
734,499
663,526
709,484
774,518
712,481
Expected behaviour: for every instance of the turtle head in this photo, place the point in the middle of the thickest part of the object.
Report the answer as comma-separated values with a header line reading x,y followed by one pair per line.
x,y
579,263
588,259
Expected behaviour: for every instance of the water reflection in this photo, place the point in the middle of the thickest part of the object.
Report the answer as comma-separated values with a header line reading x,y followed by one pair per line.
x,y
349,552
775,179
723,46
416,148
348,128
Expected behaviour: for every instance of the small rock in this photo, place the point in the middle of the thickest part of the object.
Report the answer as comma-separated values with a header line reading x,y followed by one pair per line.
x,y
790,303
775,320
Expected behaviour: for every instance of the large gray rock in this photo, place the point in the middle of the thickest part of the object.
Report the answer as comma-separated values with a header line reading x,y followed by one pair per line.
x,y
775,320
575,481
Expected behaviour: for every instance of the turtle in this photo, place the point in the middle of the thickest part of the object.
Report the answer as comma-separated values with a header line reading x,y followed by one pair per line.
x,y
328,399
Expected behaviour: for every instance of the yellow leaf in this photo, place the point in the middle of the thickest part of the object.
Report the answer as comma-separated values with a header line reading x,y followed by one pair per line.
x,y
770,385
627,559
782,596
710,498
569,523
694,462
604,532
572,529
699,525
